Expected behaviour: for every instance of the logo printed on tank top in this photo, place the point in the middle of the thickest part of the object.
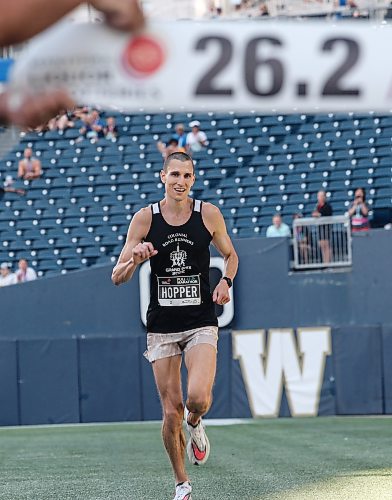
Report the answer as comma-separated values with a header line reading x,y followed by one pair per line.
x,y
178,257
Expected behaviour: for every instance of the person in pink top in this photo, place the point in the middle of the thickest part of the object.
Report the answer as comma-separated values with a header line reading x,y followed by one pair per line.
x,y
25,273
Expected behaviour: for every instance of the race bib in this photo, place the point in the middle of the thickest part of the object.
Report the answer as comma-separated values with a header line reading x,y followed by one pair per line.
x,y
179,291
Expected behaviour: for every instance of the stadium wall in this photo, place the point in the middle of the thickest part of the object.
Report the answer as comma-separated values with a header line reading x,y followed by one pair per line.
x,y
300,344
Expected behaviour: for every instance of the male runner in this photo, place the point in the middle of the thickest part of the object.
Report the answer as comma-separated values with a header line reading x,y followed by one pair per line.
x,y
175,235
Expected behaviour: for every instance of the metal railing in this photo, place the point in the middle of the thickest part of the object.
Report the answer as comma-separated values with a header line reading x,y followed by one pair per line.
x,y
322,242
373,9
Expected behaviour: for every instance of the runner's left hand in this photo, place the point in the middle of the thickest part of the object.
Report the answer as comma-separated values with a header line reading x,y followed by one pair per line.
x,y
221,294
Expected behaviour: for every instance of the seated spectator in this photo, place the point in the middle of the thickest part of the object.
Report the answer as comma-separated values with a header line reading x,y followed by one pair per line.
x,y
169,148
80,113
29,167
278,228
9,181
110,130
358,212
61,122
323,209
196,140
388,14
4,190
303,239
6,277
93,127
263,11
180,135
25,273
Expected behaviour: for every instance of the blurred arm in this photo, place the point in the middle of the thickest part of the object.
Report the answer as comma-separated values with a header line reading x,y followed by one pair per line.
x,y
23,19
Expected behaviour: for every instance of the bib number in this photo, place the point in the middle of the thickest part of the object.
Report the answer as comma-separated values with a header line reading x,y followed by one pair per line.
x,y
179,291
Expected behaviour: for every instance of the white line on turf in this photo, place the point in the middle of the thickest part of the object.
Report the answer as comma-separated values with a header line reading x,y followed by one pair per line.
x,y
209,422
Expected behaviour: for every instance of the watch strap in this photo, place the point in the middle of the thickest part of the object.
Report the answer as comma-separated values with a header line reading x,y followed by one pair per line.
x,y
228,281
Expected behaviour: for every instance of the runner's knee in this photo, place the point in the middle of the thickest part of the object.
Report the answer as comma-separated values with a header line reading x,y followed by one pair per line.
x,y
198,403
173,414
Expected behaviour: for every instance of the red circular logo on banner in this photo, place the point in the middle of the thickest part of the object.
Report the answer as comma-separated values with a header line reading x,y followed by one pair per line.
x,y
143,56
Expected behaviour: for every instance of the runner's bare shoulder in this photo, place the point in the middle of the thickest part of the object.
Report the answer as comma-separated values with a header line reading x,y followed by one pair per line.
x,y
141,221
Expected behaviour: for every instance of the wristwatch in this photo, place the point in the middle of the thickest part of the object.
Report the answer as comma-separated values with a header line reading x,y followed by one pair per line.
x,y
228,281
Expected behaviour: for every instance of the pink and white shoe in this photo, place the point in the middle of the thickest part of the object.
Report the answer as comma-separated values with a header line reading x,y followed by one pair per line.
x,y
198,447
183,491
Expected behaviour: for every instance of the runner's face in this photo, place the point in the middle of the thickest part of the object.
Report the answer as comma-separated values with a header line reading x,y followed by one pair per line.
x,y
178,179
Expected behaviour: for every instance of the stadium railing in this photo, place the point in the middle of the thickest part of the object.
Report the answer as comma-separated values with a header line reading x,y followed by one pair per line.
x,y
323,242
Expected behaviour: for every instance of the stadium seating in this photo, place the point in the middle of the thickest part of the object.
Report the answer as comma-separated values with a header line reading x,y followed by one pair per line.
x,y
78,213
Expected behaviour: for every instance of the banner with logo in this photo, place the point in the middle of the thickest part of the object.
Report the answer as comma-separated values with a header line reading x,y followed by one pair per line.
x,y
195,66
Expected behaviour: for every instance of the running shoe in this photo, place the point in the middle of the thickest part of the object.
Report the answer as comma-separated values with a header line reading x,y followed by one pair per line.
x,y
198,447
183,491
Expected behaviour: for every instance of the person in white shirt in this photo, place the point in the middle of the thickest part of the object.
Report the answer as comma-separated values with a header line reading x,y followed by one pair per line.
x,y
25,273
196,140
6,277
278,228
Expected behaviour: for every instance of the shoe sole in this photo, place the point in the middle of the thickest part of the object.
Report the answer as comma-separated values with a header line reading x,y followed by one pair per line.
x,y
191,454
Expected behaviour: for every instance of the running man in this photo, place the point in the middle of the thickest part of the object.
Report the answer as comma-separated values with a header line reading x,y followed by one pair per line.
x,y
175,235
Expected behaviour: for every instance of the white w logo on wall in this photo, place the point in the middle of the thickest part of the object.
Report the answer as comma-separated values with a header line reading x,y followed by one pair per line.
x,y
297,363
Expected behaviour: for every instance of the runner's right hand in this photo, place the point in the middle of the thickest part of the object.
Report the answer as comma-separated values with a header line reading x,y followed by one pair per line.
x,y
143,252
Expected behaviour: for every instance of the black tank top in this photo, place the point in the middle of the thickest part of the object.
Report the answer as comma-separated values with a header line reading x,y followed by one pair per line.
x,y
180,286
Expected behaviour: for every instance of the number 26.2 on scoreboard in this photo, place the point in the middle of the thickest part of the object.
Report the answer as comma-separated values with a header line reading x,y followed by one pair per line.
x,y
263,71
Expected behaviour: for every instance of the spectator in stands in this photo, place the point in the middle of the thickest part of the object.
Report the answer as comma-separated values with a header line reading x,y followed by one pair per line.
x,y
9,181
23,19
93,127
358,212
6,277
110,130
29,167
303,240
80,113
388,14
25,273
263,10
323,209
196,140
4,190
351,4
62,121
180,135
278,228
169,148
214,12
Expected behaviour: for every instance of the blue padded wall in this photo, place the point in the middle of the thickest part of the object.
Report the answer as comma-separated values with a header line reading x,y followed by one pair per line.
x,y
387,365
48,381
222,392
9,386
109,379
327,404
358,370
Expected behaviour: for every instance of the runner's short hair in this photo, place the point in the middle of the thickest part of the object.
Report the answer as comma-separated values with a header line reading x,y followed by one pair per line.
x,y
178,155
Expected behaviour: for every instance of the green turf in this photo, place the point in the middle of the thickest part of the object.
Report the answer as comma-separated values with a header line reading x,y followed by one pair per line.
x,y
293,459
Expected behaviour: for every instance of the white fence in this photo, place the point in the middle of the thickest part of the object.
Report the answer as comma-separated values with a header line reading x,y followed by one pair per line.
x,y
322,242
